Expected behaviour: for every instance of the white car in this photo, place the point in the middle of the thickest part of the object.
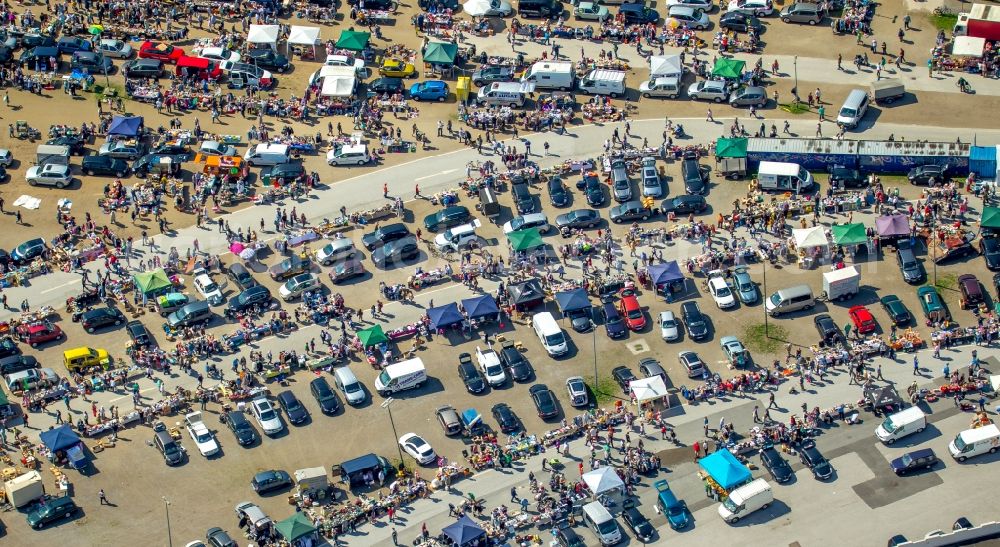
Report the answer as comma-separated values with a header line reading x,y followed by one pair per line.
x,y
704,5
693,18
6,157
669,329
267,417
751,7
351,154
117,49
50,174
709,90
416,446
344,60
203,439
294,287
489,363
577,390
721,293
220,54
664,86
208,288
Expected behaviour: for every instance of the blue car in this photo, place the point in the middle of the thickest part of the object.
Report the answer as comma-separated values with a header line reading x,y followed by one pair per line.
x,y
669,506
431,90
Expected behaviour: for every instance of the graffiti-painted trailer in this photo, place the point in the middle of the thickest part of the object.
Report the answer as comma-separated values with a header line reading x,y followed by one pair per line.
x,y
867,156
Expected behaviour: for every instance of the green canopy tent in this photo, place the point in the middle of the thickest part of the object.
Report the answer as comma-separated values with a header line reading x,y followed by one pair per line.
x,y
990,218
373,336
295,527
152,283
523,240
440,53
352,40
729,69
731,148
850,234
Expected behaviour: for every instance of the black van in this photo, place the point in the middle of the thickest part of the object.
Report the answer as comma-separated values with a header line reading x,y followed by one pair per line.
x,y
539,8
358,471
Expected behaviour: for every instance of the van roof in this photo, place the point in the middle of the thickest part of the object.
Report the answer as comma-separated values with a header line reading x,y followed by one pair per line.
x,y
544,319
912,413
795,291
749,490
607,75
406,367
270,147
512,87
553,66
980,433
597,512
778,168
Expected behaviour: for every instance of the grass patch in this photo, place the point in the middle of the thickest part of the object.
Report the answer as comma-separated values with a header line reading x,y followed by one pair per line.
x,y
794,108
947,281
944,22
759,341
606,391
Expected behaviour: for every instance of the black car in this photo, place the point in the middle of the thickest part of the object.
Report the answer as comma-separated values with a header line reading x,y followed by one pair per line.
x,y
827,328
494,73
104,165
579,219
173,149
447,217
779,469
524,202
470,375
146,163
650,367
258,295
614,325
928,174
637,14
385,234
29,41
6,55
143,68
325,397
593,190
269,480
16,363
896,310
545,401
566,537
72,44
623,375
912,461
386,85
638,524
284,173
238,423
989,247
217,537
515,362
396,251
683,205
389,5
8,348
694,180
815,461
293,408
506,418
75,143
99,318
739,22
268,59
909,265
842,177
28,251
241,276
32,57
558,196
138,333
93,63
629,211
694,321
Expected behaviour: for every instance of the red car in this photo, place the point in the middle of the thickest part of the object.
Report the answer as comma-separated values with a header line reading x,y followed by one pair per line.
x,y
160,51
39,333
631,311
862,319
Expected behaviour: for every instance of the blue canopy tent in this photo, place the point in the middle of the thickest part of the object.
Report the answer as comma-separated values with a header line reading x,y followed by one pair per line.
x,y
667,278
444,316
572,300
483,306
725,469
125,126
464,532
60,438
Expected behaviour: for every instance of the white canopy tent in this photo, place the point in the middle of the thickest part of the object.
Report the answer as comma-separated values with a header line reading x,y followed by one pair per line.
x,y
665,66
304,36
342,83
263,34
475,8
995,382
648,389
968,46
808,238
603,480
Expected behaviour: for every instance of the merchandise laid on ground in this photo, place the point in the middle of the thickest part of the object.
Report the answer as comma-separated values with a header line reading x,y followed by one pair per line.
x,y
499,273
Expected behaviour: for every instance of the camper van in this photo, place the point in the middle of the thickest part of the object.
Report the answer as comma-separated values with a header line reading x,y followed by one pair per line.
x,y
973,442
899,425
783,177
745,500
600,521
550,75
510,94
409,374
549,334
603,82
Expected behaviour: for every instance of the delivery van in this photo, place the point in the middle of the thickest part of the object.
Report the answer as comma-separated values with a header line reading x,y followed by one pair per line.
x,y
905,422
973,442
409,374
600,521
550,75
745,500
792,299
854,108
348,383
512,94
549,334
783,177
603,82
267,154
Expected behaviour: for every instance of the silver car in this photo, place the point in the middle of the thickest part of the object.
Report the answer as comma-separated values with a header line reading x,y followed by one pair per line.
x,y
704,5
50,174
709,90
620,184
669,87
802,13
651,186
693,18
577,390
591,11
748,96
118,49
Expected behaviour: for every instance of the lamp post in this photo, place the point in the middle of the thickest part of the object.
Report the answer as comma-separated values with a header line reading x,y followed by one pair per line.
x,y
387,404
593,337
166,506
763,306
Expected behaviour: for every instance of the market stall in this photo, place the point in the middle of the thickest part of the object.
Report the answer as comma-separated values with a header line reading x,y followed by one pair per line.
x,y
263,34
352,40
607,487
667,278
303,36
812,245
650,390
854,237
891,228
64,447
465,532
440,56
722,473
125,126
989,221
573,300
968,47
152,283
481,308
298,531
525,240
728,69
442,317
526,294
668,66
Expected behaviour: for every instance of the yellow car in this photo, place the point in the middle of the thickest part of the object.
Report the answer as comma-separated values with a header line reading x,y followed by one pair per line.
x,y
395,68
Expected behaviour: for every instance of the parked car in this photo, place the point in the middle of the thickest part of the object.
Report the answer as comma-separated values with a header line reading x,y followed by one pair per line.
x,y
38,333
447,416
684,205
591,11
160,51
143,68
50,174
692,365
909,265
417,448
709,90
51,510
748,96
651,185
104,165
506,418
384,85
827,328
270,480
289,267
758,8
631,310
623,376
72,44
637,13
486,75
862,319
470,375
579,219
396,251
814,460
896,310
381,236
694,321
739,22
77,147
324,395
545,401
971,291
129,150
294,409
928,174
431,90
138,333
844,177
298,285
650,367
803,12
629,211
558,196
593,190
257,295
447,217
92,63
98,318
640,526
669,327
693,18
28,251
217,537
614,325
912,461
576,388
771,460
266,416
515,362
989,247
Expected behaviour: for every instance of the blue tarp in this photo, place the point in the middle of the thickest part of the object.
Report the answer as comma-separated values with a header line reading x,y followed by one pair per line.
x,y
464,532
443,316
59,438
125,126
725,469
77,457
668,272
480,306
573,300
471,417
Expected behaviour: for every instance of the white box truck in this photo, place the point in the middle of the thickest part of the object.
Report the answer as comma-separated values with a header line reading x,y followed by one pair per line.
x,y
905,422
409,374
745,500
603,81
550,75
779,176
842,284
973,442
24,489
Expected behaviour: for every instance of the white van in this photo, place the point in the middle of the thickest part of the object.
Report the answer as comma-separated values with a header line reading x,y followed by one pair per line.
x,y
510,94
973,442
267,154
899,425
600,521
745,500
603,82
550,75
348,383
409,374
458,237
792,299
854,108
783,177
549,334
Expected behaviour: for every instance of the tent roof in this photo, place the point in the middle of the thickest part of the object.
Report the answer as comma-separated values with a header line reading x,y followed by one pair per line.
x,y
464,531
338,86
968,46
602,479
665,273
575,299
728,68
522,240
725,469
475,8
648,389
526,291
471,416
151,281
665,65
295,527
307,36
263,34
849,234
59,438
731,148
892,225
883,395
125,126
480,306
442,53
810,237
990,217
353,40
372,336
442,316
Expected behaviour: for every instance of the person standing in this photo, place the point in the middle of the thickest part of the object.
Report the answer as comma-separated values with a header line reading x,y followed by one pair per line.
x,y
102,497
514,498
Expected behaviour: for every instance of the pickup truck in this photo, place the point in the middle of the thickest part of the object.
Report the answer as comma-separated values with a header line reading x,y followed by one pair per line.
x,y
489,363
201,435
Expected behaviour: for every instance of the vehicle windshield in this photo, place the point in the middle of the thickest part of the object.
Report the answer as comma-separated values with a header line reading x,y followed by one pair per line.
x,y
516,223
211,286
352,388
668,323
203,437
803,174
607,527
634,314
775,299
848,112
906,459
723,291
494,370
384,378
267,415
552,340
888,426
960,444
730,506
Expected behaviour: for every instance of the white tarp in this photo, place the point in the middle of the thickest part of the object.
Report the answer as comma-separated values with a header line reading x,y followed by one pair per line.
x,y
807,238
995,381
967,46
305,36
263,34
648,389
339,85
666,66
603,480
475,8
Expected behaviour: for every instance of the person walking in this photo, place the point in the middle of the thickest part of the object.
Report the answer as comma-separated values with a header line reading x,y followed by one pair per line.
x,y
385,190
916,367
708,117
514,498
878,372
524,505
756,415
416,191
395,537
822,113
819,130
771,403
103,497
697,450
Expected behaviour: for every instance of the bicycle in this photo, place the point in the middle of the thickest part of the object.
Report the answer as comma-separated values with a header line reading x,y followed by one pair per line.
x,y
943,10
